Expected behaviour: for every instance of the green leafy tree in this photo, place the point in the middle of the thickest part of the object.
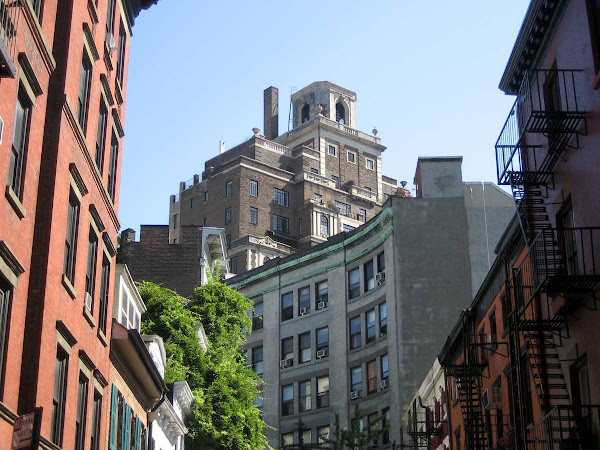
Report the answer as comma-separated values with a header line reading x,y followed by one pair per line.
x,y
301,445
358,437
224,388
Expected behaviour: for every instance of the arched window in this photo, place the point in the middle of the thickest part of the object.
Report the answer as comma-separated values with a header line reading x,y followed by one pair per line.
x,y
340,113
305,111
324,226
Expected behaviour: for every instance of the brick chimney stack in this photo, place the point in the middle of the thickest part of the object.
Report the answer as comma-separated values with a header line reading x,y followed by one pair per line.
x,y
271,110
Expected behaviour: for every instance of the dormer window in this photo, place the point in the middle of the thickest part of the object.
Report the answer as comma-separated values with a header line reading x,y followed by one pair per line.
x,y
340,113
305,113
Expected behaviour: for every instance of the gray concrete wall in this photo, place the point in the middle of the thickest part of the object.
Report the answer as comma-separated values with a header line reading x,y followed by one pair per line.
x,y
439,177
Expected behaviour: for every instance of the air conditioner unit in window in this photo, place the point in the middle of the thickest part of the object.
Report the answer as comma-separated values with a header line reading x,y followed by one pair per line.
x,y
88,301
322,354
1,129
384,383
380,277
284,363
110,42
303,311
321,305
492,398
354,395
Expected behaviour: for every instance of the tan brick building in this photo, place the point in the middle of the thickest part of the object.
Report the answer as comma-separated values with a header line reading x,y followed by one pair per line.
x,y
275,194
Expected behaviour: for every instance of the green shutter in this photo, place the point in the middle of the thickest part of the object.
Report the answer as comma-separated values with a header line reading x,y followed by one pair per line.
x,y
112,435
138,433
125,427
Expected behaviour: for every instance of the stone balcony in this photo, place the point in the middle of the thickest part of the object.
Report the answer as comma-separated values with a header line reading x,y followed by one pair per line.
x,y
315,178
332,123
364,194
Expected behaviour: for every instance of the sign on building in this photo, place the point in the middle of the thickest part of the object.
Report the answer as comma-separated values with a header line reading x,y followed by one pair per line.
x,y
26,431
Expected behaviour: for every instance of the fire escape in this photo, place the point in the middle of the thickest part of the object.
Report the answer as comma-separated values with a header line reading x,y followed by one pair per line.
x,y
422,428
10,12
558,275
467,376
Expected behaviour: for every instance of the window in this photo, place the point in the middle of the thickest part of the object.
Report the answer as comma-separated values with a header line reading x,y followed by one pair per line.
x,y
381,262
351,157
37,9
234,265
227,216
121,55
356,378
104,283
322,294
385,368
313,170
253,215
58,398
305,113
71,238
505,311
324,226
281,224
81,412
362,215
493,331
353,283
287,306
304,300
323,391
205,196
257,317
16,170
175,217
345,209
305,397
5,297
287,349
110,16
371,377
192,203
287,439
323,339
385,423
112,168
567,239
383,318
369,276
101,136
280,197
287,401
304,347
306,437
228,189
336,179
90,274
257,360
83,98
332,150
340,113
355,338
253,188
347,228
370,325
96,417
323,434
318,198
300,225
580,382
370,164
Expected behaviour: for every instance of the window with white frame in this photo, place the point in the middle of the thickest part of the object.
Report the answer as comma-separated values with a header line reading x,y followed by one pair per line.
x,y
130,314
351,157
370,164
332,151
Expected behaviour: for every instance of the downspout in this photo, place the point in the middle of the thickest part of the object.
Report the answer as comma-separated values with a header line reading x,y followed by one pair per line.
x,y
152,410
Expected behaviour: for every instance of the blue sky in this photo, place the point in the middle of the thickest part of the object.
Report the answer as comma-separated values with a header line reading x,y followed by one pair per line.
x,y
426,75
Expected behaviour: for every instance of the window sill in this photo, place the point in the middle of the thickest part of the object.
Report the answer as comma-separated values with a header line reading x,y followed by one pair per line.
x,y
69,287
15,202
88,316
102,338
366,294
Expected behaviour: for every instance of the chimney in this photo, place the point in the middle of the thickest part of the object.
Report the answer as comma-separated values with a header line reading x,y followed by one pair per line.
x,y
221,147
271,110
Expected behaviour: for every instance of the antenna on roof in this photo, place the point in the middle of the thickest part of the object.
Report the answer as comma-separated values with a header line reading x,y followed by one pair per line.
x,y
292,90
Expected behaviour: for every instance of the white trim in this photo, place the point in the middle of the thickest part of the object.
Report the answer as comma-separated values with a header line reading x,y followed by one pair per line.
x,y
348,152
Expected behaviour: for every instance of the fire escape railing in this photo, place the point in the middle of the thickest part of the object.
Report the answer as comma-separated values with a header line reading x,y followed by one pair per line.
x,y
10,13
566,427
421,428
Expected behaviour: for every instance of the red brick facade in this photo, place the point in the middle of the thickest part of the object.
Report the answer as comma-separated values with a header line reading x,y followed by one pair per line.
x,y
46,309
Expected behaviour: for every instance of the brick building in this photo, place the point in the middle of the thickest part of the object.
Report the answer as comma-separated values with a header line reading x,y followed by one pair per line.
x,y
522,361
63,83
353,320
280,193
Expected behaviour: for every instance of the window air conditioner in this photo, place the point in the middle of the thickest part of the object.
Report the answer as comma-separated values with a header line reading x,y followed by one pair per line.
x,y
284,363
382,335
302,311
492,398
322,305
88,301
380,277
354,395
384,383
110,42
322,354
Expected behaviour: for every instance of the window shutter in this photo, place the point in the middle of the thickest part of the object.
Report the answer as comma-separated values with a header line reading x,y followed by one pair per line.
x,y
125,427
138,433
112,436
